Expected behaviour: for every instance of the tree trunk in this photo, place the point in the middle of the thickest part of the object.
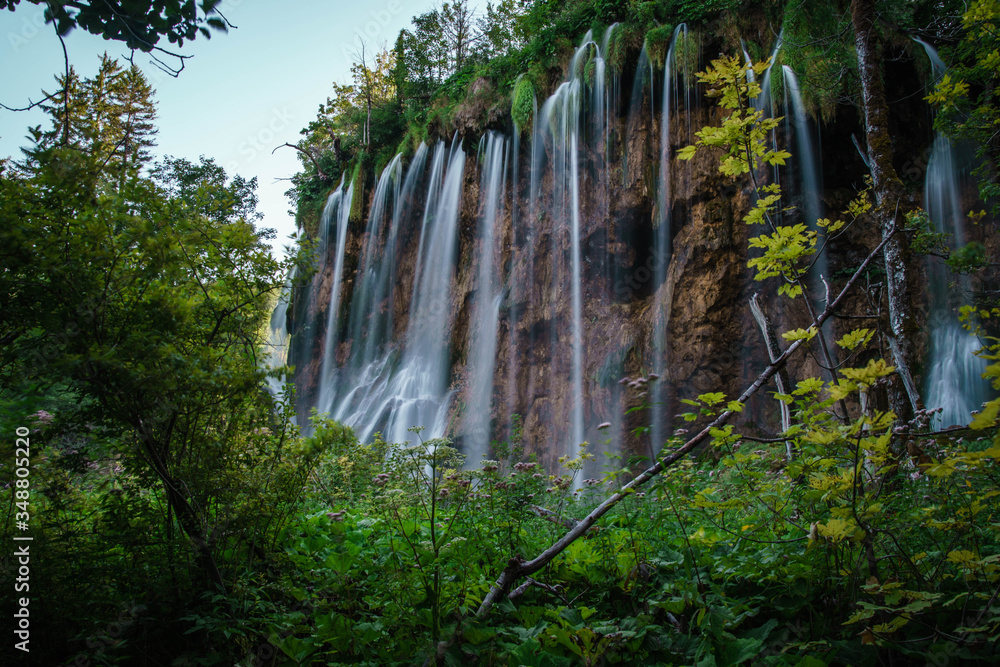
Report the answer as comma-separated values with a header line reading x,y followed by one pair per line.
x,y
186,516
889,195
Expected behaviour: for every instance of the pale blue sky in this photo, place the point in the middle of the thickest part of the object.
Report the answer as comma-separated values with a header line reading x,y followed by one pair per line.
x,y
242,94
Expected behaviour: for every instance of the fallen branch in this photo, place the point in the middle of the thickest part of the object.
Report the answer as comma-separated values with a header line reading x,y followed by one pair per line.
x,y
549,515
518,567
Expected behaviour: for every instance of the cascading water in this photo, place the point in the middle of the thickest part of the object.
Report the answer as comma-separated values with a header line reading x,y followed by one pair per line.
x,y
486,307
414,394
554,227
371,321
278,338
954,383
559,127
338,207
677,78
572,130
636,110
807,186
361,384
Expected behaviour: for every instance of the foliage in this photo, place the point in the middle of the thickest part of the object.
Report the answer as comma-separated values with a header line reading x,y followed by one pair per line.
x,y
139,25
136,307
110,117
163,468
522,109
657,44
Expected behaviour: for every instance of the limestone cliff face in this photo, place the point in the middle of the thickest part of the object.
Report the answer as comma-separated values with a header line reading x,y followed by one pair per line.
x,y
698,292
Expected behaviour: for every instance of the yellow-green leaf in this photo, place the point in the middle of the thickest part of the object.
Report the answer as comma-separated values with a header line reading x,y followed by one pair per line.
x,y
687,152
799,334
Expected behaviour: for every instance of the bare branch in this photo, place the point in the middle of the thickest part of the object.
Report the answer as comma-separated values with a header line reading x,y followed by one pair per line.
x,y
319,170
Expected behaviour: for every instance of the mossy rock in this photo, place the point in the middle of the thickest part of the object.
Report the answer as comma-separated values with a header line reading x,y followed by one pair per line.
x,y
357,200
522,106
657,44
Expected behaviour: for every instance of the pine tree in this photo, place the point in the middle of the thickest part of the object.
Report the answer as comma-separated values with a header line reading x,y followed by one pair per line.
x,y
109,116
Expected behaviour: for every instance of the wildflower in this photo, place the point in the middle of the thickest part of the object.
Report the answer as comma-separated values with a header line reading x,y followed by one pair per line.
x,y
44,417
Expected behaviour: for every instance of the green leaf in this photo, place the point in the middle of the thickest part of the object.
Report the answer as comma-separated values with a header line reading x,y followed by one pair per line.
x,y
856,338
800,334
987,417
687,152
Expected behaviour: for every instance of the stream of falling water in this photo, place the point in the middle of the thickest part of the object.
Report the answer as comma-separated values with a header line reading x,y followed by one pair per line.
x,y
560,128
808,185
486,307
392,391
677,79
954,381
338,208
530,283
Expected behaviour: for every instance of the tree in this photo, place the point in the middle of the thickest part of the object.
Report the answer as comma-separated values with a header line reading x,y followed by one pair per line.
x,y
345,119
421,53
890,203
148,299
501,28
110,117
458,30
374,84
439,44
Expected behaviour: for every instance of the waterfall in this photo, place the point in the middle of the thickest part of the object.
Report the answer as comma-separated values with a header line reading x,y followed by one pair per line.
x,y
954,379
807,176
392,400
518,295
365,379
547,237
559,121
383,395
418,396
278,338
636,110
486,307
372,393
370,321
338,207
677,79
764,104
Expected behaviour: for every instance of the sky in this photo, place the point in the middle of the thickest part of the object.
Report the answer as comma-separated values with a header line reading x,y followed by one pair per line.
x,y
241,94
